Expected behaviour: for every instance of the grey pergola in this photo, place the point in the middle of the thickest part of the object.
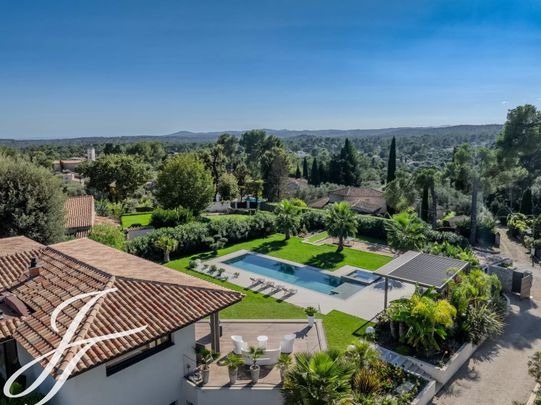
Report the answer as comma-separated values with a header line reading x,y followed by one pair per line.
x,y
422,269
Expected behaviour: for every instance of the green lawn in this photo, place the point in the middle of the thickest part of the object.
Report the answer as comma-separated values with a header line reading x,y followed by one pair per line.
x,y
318,236
340,328
322,256
141,218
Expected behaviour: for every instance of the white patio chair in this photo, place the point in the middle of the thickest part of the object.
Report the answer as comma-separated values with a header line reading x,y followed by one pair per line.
x,y
292,291
286,345
239,344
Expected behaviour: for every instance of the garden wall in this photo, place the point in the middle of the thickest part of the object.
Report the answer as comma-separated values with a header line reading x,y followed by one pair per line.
x,y
426,395
232,395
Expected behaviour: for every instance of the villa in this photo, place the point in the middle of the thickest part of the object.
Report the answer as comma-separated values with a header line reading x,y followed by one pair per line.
x,y
147,367
364,200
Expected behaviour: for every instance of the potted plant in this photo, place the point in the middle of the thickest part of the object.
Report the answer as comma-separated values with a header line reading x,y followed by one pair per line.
x,y
284,362
311,314
213,268
207,357
233,362
221,271
255,354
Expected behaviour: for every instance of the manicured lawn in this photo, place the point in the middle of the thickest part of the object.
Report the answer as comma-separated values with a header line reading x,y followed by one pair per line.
x,y
225,216
322,256
340,328
318,236
141,218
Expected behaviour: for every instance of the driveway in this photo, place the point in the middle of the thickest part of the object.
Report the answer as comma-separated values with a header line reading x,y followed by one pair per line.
x,y
497,373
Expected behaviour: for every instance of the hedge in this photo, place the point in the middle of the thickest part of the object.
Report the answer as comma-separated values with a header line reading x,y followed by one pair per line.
x,y
451,237
313,220
373,227
196,237
164,218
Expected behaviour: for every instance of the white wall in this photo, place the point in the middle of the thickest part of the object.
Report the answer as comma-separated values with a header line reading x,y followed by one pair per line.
x,y
233,396
156,380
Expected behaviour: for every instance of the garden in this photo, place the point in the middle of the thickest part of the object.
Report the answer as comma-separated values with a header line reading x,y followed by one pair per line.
x,y
432,326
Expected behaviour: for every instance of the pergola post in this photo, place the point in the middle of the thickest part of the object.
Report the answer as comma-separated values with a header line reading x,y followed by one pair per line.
x,y
386,288
215,332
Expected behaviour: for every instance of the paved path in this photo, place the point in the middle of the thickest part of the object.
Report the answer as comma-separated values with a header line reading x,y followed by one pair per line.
x,y
497,373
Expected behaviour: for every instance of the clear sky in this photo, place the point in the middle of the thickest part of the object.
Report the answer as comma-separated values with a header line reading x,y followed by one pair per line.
x,y
111,67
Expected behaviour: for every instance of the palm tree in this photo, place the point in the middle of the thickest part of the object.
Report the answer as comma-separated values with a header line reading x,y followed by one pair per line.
x,y
341,222
166,245
406,231
317,379
287,217
362,353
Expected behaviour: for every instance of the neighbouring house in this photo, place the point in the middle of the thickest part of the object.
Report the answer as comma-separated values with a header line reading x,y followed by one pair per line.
x,y
293,185
80,216
144,368
364,200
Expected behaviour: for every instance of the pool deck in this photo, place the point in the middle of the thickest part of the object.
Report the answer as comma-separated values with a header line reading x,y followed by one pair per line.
x,y
366,303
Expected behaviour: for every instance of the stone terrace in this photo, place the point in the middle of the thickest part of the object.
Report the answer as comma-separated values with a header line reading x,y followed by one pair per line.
x,y
307,340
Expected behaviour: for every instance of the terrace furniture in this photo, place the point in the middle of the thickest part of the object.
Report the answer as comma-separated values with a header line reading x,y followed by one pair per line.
x,y
286,346
269,358
269,284
262,341
255,280
292,291
239,344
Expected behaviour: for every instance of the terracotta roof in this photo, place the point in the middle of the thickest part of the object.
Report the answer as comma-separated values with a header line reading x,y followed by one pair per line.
x,y
147,298
357,192
16,244
319,203
79,212
118,263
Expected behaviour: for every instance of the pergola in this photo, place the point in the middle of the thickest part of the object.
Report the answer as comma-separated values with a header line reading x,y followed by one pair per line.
x,y
422,269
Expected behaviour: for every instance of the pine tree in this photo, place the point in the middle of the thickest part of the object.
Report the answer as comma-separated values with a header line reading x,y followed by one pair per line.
x,y
298,172
314,178
305,168
391,166
526,203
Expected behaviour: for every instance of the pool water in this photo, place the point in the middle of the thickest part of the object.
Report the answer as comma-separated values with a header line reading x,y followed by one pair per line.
x,y
301,276
364,276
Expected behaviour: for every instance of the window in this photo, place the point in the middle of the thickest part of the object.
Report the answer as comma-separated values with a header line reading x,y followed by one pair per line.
x,y
139,354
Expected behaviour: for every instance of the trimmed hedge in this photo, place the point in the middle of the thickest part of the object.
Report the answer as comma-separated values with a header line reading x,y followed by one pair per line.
x,y
450,237
373,227
164,218
313,220
196,237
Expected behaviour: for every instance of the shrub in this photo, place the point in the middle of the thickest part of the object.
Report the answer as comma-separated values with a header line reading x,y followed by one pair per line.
x,y
313,220
197,236
108,235
164,218
518,224
449,237
372,226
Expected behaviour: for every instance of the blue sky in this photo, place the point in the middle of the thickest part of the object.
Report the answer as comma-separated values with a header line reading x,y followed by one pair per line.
x,y
112,67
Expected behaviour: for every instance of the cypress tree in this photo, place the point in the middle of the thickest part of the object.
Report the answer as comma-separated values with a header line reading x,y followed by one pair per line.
x,y
350,165
314,179
424,204
391,166
298,172
526,203
305,168
322,173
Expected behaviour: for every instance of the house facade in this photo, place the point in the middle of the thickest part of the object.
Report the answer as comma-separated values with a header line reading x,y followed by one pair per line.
x,y
147,367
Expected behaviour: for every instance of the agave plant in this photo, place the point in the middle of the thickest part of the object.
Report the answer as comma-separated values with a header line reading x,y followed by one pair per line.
x,y
317,379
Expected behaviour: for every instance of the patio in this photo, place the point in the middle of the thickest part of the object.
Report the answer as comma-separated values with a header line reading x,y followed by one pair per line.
x,y
307,339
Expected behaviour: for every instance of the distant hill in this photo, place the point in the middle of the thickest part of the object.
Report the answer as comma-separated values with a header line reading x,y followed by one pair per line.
x,y
201,137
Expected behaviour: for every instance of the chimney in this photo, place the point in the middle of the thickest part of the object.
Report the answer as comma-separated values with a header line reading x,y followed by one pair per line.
x,y
34,269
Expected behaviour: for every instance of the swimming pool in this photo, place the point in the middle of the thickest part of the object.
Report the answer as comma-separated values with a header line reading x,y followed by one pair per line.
x,y
301,276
